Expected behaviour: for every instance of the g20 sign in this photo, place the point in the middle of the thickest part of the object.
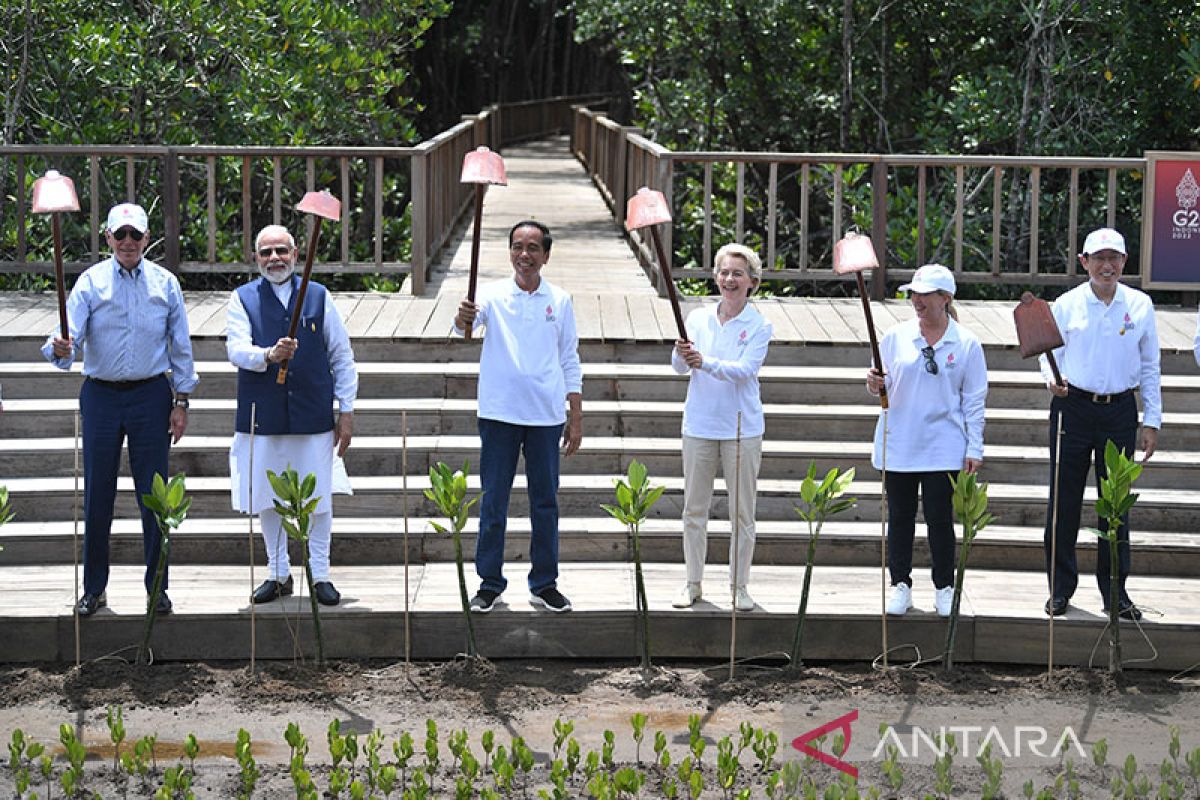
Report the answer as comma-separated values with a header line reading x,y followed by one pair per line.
x,y
1171,222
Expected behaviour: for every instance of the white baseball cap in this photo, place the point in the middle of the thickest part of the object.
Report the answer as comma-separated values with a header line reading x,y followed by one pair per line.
x,y
931,278
1103,239
127,214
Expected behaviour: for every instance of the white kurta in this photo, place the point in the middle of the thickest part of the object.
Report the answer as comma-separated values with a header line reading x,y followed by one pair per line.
x,y
303,452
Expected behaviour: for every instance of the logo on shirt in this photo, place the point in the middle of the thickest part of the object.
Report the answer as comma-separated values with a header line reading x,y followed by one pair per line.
x,y
742,340
549,313
950,362
1128,326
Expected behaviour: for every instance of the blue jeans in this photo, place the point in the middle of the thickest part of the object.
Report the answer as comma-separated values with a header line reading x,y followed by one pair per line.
x,y
502,444
110,416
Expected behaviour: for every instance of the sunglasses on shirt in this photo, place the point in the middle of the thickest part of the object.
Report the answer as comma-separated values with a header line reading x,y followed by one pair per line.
x,y
277,250
132,233
930,362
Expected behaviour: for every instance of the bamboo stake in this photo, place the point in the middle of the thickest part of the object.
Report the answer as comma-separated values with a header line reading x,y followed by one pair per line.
x,y
1054,538
736,529
404,500
250,541
75,534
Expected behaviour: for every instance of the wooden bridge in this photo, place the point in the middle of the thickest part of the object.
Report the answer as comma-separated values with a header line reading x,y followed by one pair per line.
x,y
417,407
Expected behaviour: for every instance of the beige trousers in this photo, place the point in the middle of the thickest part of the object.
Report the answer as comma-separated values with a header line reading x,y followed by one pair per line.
x,y
700,457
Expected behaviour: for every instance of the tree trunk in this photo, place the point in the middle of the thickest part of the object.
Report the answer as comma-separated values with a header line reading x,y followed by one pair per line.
x,y
847,74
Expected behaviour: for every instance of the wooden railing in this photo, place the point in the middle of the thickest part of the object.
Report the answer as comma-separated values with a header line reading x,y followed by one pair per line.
x,y
993,219
400,205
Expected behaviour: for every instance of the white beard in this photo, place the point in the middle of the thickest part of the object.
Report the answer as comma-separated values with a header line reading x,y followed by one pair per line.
x,y
277,278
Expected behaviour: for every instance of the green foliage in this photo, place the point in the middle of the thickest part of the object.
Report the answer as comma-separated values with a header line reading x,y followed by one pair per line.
x,y
169,503
6,511
819,500
448,491
970,502
635,497
1113,505
295,505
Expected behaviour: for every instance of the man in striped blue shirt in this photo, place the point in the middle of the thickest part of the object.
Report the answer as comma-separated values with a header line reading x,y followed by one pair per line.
x,y
127,316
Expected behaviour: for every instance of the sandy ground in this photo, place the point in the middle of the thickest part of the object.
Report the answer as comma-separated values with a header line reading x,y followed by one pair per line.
x,y
1022,713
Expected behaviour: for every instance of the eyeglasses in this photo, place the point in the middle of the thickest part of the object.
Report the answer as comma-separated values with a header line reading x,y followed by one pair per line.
x,y
930,363
132,233
277,250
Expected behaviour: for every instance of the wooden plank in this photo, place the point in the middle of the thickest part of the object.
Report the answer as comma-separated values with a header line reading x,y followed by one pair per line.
x,y
365,313
412,324
800,313
587,315
664,317
614,320
441,318
210,303
642,317
13,305
835,329
390,315
774,312
345,303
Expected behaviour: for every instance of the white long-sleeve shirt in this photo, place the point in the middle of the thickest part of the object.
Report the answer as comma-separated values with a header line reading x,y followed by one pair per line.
x,y
530,358
1109,349
244,354
934,422
727,381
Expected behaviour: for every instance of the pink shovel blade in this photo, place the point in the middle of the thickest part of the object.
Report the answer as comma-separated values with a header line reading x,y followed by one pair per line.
x,y
54,192
647,207
481,165
854,253
321,203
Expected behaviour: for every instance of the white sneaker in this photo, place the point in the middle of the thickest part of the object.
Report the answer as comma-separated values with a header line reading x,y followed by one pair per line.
x,y
900,601
943,600
687,596
742,600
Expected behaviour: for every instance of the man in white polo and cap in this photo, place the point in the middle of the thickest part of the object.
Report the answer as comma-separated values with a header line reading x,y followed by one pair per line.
x,y
293,422
127,315
1110,350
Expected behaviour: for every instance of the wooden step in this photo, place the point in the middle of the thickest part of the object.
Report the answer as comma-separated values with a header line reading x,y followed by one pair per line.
x,y
1001,621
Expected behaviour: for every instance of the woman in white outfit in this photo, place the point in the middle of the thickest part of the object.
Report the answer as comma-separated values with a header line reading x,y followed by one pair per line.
x,y
936,381
728,344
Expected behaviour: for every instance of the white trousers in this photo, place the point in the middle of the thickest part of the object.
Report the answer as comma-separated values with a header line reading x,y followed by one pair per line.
x,y
276,539
700,457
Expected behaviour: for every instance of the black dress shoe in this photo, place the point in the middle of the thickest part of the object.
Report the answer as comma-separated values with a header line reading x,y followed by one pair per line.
x,y
1056,606
164,605
271,590
90,602
326,594
1128,611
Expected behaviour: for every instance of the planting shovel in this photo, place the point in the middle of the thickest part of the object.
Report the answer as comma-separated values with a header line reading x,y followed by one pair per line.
x,y
321,205
1038,333
647,209
54,193
854,253
480,167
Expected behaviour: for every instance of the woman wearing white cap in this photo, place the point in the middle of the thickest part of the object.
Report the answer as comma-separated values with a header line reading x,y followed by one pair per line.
x,y
729,343
936,381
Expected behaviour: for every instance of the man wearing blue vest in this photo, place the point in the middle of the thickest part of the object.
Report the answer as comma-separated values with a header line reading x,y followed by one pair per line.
x,y
128,317
293,422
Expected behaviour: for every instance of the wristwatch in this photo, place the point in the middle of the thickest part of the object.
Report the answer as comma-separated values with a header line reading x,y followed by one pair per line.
x,y
181,402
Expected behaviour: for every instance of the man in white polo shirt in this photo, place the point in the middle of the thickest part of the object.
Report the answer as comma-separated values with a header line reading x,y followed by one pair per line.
x,y
528,367
1110,348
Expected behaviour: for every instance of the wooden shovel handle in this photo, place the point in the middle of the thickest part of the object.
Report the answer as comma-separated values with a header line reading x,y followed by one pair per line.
x,y
59,279
1058,378
300,293
866,302
473,279
665,266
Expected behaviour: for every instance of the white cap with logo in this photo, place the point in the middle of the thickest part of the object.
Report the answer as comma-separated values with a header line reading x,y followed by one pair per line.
x,y
127,215
931,278
1103,239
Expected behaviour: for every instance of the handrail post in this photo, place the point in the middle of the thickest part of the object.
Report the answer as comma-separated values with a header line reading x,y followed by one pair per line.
x,y
170,201
664,169
418,217
620,190
879,199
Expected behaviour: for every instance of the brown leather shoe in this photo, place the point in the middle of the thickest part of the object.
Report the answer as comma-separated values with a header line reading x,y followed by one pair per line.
x,y
271,590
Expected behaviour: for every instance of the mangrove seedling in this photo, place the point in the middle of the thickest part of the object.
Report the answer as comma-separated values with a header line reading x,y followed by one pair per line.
x,y
819,500
970,507
1112,506
295,506
448,491
634,501
169,503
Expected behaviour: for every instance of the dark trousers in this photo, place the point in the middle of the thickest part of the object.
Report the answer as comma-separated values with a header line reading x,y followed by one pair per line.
x,y
111,416
937,502
1087,428
501,445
